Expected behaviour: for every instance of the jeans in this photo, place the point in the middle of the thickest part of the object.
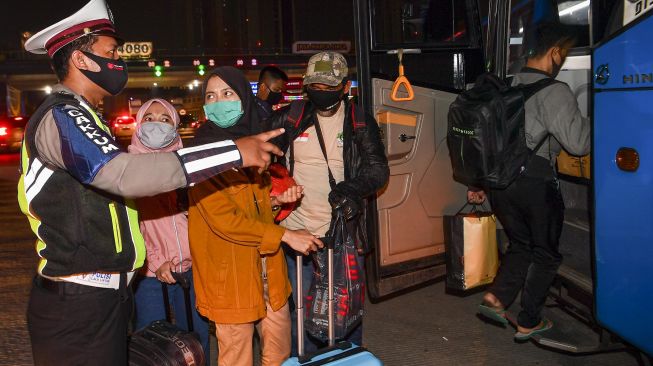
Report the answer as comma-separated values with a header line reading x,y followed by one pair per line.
x,y
150,307
532,212
310,344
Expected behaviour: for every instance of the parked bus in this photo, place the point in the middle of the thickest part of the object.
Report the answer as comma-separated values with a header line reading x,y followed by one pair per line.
x,y
607,241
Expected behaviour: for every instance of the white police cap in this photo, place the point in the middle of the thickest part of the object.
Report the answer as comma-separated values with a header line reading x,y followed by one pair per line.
x,y
94,18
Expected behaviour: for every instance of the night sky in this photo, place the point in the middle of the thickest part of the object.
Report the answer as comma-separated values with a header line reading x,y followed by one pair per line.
x,y
164,21
140,20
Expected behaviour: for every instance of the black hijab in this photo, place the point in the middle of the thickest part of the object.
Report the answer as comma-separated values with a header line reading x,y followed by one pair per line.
x,y
248,124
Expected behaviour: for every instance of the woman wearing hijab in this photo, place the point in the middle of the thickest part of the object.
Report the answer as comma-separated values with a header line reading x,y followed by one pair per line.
x,y
164,225
240,271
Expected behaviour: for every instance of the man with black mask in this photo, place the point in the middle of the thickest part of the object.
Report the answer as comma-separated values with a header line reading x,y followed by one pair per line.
x,y
76,187
271,84
531,208
352,153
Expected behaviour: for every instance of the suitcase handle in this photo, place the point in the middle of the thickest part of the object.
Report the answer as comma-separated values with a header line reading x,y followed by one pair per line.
x,y
344,345
299,304
185,286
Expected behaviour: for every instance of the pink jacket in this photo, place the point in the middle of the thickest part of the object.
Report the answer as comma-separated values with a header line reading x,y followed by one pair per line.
x,y
163,224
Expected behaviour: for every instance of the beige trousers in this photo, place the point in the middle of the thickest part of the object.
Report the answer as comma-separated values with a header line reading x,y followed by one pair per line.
x,y
235,340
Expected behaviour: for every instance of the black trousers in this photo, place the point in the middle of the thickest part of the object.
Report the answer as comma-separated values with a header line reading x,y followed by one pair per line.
x,y
73,327
532,213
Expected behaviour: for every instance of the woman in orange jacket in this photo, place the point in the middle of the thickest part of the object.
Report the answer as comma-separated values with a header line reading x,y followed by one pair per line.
x,y
240,273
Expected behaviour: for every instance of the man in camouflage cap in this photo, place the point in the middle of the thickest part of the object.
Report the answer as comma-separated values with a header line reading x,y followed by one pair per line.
x,y
349,134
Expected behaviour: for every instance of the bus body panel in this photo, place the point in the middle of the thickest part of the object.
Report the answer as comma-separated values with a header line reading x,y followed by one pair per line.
x,y
623,226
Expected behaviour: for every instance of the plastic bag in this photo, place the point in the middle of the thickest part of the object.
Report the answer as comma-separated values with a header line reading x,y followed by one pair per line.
x,y
472,255
348,287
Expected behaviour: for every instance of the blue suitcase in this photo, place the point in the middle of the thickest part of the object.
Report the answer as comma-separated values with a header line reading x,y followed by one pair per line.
x,y
341,353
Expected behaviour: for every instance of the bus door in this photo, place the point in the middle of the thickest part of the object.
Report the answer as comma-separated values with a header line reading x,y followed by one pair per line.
x,y
623,177
441,45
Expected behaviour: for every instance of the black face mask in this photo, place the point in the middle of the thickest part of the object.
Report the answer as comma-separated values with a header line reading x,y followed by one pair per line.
x,y
112,76
274,97
324,100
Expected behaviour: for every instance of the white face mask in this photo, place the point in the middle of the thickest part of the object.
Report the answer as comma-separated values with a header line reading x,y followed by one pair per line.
x,y
156,135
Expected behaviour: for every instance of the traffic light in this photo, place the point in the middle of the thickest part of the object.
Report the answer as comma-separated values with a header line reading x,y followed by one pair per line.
x,y
200,70
157,71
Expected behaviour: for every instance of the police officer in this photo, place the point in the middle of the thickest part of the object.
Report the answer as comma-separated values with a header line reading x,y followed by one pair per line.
x,y
76,187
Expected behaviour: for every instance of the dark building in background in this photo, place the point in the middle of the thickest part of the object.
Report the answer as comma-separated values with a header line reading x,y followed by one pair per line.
x,y
271,26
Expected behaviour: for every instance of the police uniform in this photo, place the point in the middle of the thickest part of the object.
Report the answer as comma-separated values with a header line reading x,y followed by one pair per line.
x,y
75,188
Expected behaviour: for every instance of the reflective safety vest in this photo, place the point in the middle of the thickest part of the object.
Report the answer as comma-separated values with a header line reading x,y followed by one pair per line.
x,y
79,229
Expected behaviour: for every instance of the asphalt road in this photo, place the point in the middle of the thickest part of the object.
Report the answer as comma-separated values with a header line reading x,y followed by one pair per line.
x,y
423,327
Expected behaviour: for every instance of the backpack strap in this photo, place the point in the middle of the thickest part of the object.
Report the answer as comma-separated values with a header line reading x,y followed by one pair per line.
x,y
294,118
357,117
296,112
320,139
530,90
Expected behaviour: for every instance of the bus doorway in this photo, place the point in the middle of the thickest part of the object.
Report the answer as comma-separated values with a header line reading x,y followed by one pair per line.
x,y
441,47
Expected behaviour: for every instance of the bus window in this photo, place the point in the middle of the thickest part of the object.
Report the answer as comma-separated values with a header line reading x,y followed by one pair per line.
x,y
524,14
420,23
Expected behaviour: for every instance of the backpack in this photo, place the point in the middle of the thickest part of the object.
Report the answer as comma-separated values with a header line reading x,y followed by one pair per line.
x,y
486,132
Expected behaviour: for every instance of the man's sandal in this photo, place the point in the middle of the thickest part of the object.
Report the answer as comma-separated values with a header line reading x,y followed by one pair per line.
x,y
497,315
545,325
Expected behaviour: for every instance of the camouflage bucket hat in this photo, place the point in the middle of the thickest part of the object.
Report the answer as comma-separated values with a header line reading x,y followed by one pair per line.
x,y
326,68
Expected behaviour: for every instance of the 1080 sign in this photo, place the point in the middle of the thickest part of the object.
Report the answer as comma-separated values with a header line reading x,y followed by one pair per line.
x,y
135,50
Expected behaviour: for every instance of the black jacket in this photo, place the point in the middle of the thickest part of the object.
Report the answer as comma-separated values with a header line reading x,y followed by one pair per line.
x,y
366,165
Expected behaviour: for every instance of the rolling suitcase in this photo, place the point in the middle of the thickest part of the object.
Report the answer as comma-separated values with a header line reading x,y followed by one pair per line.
x,y
341,353
163,344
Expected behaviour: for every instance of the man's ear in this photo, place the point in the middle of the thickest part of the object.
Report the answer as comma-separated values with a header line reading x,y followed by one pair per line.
x,y
79,60
556,51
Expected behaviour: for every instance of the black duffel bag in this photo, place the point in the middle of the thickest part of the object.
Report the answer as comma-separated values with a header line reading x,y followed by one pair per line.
x,y
164,344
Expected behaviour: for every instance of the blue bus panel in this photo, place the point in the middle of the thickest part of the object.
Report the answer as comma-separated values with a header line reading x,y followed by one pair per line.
x,y
623,220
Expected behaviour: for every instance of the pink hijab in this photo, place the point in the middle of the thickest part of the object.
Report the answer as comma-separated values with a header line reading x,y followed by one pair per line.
x,y
137,146
164,226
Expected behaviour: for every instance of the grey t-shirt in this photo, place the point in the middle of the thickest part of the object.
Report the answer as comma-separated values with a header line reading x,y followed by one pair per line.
x,y
554,110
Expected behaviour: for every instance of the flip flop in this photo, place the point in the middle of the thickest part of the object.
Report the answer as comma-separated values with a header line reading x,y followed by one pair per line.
x,y
498,315
546,325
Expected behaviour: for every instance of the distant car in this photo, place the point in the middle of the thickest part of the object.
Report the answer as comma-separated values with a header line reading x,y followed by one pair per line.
x,y
187,126
12,130
123,126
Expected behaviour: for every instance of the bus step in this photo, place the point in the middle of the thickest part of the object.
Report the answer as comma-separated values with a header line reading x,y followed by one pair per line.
x,y
551,340
569,334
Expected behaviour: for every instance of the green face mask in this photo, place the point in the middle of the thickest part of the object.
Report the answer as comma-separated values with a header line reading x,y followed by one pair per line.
x,y
224,114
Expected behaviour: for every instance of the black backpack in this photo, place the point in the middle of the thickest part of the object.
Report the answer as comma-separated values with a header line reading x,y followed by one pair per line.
x,y
486,132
